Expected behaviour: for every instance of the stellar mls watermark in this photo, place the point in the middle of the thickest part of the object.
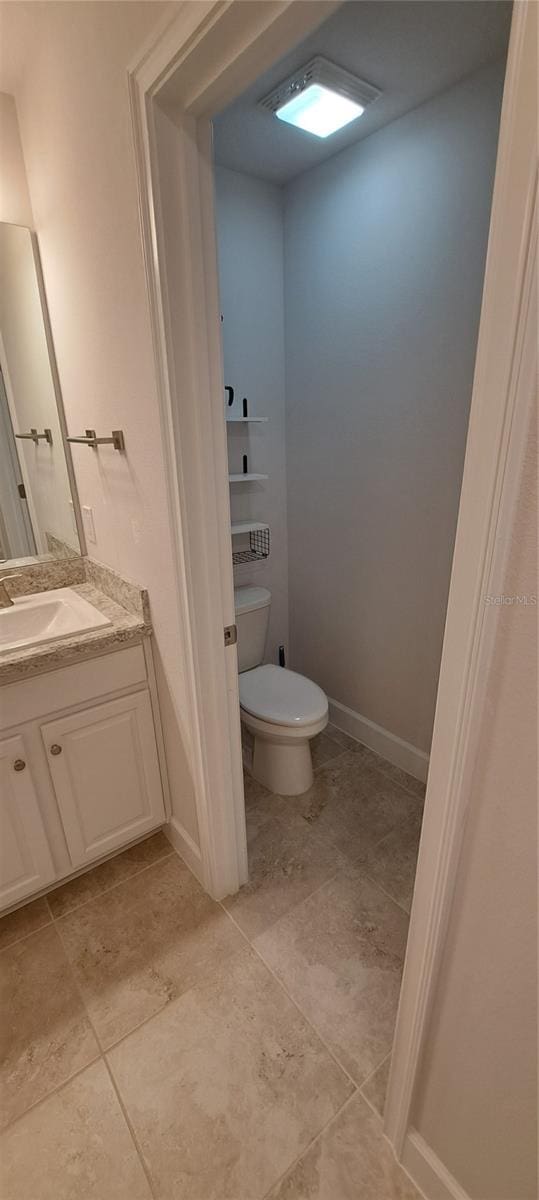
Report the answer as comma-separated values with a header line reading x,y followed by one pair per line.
x,y
526,600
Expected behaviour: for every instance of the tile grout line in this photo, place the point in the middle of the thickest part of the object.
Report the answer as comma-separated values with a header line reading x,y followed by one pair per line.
x,y
281,985
130,1128
374,1110
53,920
53,1092
375,1069
387,769
146,1020
267,928
245,938
102,1053
25,936
310,1144
333,758
79,1070
103,1059
106,890
387,895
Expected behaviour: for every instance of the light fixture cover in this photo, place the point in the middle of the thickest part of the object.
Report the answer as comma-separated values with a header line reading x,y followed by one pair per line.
x,y
319,110
320,97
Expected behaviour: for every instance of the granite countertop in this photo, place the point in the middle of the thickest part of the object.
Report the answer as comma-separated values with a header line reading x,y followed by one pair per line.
x,y
126,627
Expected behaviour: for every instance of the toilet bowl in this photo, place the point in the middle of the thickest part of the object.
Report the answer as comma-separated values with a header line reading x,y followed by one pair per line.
x,y
283,710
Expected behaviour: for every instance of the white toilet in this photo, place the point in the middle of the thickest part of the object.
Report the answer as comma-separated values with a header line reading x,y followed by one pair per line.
x,y
283,710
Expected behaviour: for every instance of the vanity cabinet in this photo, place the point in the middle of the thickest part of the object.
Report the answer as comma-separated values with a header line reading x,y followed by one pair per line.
x,y
80,769
26,863
105,773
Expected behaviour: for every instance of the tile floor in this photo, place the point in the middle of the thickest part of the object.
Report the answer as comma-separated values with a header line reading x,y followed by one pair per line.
x,y
161,1045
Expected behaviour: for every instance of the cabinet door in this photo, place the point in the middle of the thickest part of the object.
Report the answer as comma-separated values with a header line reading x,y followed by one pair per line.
x,y
25,858
105,772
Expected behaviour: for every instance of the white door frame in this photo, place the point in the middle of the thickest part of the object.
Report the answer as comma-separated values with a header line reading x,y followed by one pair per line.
x,y
207,54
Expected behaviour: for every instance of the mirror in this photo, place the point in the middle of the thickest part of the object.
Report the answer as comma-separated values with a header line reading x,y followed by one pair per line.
x,y
39,510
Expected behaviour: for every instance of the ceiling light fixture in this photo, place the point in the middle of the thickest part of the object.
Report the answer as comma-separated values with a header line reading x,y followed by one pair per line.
x,y
320,98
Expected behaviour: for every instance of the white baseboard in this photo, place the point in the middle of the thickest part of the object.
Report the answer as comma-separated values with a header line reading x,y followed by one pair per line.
x,y
388,745
428,1172
186,847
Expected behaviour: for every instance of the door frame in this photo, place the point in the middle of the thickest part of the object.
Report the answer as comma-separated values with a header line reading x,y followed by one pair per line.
x,y
193,66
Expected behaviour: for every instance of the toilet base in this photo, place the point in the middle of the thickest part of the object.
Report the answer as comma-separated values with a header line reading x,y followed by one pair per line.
x,y
283,767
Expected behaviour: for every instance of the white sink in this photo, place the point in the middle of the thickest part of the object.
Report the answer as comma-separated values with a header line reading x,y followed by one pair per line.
x,y
47,617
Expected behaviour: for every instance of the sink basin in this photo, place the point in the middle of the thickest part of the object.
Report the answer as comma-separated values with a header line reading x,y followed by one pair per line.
x,y
47,617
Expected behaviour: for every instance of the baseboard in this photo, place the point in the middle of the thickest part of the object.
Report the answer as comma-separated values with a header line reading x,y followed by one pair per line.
x,y
388,745
186,847
428,1172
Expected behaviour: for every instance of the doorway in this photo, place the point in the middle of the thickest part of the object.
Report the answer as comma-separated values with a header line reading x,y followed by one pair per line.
x,y
184,297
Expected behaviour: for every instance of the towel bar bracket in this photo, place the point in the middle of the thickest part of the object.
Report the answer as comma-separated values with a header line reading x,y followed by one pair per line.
x,y
36,437
91,439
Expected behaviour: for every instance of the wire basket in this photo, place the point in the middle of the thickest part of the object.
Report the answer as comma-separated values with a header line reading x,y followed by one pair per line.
x,y
259,548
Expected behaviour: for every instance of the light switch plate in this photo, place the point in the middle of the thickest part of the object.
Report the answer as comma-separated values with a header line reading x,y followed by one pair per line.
x,y
88,522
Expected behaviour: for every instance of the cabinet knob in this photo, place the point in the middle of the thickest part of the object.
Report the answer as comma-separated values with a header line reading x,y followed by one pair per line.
x,y
19,764
56,749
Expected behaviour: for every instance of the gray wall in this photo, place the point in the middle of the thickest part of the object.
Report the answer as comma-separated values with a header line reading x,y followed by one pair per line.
x,y
480,1065
384,257
250,247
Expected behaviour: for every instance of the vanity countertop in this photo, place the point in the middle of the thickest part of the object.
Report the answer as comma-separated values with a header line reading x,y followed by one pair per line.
x,y
126,627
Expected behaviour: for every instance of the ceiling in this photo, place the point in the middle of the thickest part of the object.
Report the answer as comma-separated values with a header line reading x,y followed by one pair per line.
x,y
410,50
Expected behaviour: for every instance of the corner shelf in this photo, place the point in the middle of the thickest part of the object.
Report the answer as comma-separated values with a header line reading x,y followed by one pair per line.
x,y
248,477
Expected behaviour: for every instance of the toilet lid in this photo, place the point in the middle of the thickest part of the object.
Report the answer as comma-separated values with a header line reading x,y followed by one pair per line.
x,y
281,697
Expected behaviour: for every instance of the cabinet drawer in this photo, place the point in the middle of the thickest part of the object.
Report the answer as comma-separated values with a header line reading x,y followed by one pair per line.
x,y
105,771
87,680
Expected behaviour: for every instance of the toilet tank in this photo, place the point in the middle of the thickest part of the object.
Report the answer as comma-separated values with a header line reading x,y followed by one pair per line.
x,y
252,606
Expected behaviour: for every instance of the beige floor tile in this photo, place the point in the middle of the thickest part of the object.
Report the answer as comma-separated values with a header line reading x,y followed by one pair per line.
x,y
287,861
226,1087
45,1033
355,805
143,944
343,739
396,774
324,748
339,955
261,804
73,1146
106,875
25,920
375,1088
392,864
350,1161
408,782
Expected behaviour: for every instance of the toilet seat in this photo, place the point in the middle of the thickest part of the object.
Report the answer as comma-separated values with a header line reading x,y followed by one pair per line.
x,y
276,696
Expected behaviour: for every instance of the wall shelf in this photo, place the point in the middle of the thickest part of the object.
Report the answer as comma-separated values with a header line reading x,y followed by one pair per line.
x,y
248,477
248,527
245,420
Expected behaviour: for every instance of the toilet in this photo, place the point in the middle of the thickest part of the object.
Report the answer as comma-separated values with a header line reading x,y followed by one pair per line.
x,y
283,710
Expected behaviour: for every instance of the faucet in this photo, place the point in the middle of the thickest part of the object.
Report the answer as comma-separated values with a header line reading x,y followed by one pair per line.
x,y
5,598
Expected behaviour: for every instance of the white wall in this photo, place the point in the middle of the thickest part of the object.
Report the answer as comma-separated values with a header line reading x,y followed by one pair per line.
x,y
15,204
249,217
67,68
384,257
476,1104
